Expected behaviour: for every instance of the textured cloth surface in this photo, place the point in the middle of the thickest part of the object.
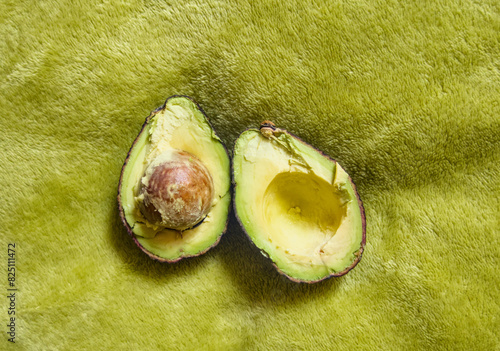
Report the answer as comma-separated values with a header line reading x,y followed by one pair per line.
x,y
405,95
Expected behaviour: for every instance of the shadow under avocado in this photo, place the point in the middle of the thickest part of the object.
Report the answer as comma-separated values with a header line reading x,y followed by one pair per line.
x,y
257,278
138,262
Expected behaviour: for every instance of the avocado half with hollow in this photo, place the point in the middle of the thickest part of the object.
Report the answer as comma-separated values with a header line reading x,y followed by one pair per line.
x,y
297,205
173,194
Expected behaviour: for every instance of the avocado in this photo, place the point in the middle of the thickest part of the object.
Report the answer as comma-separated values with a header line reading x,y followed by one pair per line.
x,y
297,205
173,194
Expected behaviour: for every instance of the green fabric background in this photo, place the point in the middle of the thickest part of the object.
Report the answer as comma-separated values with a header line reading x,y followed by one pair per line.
x,y
404,94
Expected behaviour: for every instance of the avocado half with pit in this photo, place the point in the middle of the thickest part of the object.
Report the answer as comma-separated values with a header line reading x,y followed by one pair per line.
x,y
174,189
297,205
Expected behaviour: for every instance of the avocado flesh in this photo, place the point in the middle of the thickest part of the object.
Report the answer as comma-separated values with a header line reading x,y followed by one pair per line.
x,y
180,124
297,205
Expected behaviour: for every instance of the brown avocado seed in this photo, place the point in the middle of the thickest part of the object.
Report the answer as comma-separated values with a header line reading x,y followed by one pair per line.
x,y
176,190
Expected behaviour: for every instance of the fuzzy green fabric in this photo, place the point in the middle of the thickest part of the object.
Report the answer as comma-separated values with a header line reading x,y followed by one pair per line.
x,y
405,95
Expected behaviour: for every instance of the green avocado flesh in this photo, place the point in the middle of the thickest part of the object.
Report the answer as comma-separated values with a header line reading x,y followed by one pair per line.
x,y
297,205
178,125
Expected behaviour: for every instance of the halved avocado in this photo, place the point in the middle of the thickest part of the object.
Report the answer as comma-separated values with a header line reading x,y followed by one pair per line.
x,y
179,128
297,205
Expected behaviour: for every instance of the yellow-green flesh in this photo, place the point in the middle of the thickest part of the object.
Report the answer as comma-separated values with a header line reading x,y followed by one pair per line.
x,y
179,125
297,205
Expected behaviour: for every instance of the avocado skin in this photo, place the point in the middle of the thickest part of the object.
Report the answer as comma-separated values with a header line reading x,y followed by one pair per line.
x,y
120,207
359,253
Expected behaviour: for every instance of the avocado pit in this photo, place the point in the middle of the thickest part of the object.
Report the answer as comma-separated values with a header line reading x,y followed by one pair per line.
x,y
176,191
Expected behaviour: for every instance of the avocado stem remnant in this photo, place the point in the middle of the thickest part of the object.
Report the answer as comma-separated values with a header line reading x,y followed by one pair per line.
x,y
269,130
